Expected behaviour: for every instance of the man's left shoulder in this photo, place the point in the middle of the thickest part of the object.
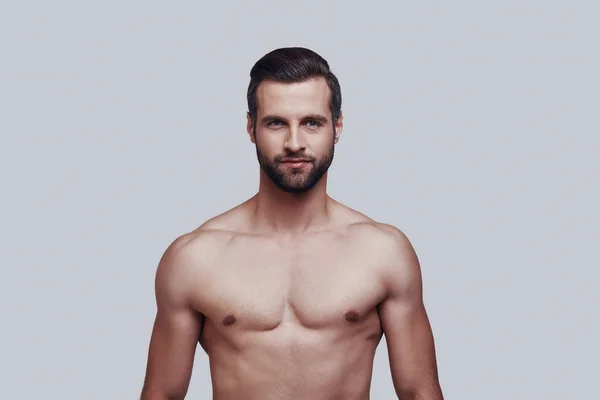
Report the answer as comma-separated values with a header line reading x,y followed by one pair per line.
x,y
383,237
388,248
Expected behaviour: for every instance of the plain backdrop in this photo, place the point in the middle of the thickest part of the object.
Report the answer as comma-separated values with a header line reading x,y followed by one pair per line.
x,y
470,125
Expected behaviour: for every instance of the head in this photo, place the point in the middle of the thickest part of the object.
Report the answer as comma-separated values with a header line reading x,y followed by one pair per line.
x,y
294,113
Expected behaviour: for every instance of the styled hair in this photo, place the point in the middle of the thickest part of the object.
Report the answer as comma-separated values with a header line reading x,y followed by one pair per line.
x,y
293,65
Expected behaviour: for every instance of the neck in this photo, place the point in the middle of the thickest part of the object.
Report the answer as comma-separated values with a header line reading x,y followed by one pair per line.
x,y
278,211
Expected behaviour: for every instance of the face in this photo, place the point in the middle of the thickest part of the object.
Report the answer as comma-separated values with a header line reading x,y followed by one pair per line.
x,y
294,133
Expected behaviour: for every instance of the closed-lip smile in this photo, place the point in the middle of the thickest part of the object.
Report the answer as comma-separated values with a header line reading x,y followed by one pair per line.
x,y
295,160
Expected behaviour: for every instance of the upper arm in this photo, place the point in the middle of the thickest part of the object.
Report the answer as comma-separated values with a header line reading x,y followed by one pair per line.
x,y
406,325
176,327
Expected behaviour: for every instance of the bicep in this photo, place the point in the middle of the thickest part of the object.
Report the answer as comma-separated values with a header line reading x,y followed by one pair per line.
x,y
176,329
410,345
172,348
406,325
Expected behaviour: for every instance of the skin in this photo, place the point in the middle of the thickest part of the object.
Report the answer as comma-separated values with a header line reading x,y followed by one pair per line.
x,y
290,292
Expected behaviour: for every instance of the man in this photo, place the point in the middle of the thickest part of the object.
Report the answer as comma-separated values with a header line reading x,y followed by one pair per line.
x,y
290,292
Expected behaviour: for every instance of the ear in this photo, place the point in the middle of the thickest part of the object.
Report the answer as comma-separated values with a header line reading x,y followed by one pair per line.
x,y
250,128
338,126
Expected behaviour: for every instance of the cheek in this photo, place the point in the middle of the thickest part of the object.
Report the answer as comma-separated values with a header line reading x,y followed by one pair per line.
x,y
268,144
323,145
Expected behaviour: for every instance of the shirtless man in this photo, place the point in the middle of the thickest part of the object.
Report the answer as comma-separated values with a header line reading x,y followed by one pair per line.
x,y
290,292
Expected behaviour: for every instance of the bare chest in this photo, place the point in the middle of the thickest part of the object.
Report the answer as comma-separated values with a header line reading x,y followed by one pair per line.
x,y
317,286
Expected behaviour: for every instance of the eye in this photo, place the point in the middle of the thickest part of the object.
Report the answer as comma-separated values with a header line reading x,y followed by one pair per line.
x,y
313,124
274,123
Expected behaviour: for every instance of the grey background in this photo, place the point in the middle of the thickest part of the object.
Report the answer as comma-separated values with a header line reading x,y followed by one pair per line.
x,y
470,125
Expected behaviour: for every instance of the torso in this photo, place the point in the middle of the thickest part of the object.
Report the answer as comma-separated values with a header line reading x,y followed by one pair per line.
x,y
291,320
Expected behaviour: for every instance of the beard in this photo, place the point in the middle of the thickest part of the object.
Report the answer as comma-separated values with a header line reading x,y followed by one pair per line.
x,y
295,181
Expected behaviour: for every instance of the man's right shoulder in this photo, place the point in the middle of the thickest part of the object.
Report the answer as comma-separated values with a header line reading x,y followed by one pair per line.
x,y
200,249
194,251
200,243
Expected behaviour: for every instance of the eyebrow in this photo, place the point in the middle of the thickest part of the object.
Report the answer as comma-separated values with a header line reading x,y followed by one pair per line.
x,y
313,117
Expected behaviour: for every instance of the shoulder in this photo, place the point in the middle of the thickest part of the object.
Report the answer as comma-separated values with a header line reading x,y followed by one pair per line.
x,y
188,258
208,238
192,257
393,253
203,244
192,247
382,237
365,228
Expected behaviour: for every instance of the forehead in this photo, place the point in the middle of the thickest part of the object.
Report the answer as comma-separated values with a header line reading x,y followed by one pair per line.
x,y
288,99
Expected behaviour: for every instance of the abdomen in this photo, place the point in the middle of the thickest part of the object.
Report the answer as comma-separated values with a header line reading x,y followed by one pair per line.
x,y
292,362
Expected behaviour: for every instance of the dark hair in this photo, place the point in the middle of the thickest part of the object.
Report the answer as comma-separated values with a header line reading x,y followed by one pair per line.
x,y
292,65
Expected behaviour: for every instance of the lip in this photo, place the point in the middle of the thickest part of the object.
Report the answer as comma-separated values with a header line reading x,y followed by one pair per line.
x,y
299,163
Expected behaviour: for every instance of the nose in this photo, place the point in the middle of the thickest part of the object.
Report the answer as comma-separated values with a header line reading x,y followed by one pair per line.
x,y
294,141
